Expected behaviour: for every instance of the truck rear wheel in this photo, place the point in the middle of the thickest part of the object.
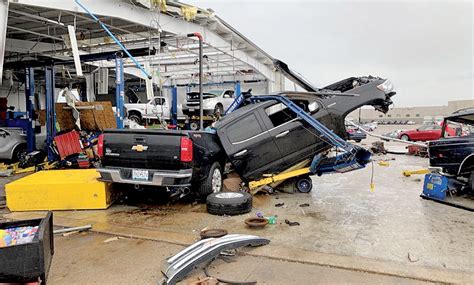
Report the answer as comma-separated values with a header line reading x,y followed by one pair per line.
x,y
471,181
213,182
229,203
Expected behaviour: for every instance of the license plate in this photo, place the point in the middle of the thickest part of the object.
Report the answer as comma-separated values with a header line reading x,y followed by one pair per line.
x,y
139,174
191,110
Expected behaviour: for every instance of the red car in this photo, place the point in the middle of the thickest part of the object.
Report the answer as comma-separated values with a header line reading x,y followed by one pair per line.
x,y
427,132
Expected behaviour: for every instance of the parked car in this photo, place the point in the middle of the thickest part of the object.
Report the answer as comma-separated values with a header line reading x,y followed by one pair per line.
x,y
214,101
258,138
355,134
370,127
13,143
427,132
454,155
157,108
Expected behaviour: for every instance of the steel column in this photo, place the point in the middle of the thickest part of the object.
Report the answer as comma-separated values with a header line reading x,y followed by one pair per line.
x,y
237,89
174,105
30,108
3,32
119,90
50,112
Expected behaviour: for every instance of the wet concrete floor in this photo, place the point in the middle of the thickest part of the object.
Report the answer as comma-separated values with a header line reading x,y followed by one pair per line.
x,y
390,232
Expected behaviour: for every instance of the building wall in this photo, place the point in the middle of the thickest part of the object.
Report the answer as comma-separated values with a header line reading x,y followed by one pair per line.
x,y
416,114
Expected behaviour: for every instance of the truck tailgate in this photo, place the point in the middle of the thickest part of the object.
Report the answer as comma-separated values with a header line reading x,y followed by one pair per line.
x,y
148,149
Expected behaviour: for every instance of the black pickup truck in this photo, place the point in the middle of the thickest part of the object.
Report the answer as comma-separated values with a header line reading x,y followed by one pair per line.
x,y
454,156
259,138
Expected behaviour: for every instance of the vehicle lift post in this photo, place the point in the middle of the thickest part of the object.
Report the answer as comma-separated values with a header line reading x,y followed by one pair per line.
x,y
174,106
119,90
237,89
50,111
30,108
201,113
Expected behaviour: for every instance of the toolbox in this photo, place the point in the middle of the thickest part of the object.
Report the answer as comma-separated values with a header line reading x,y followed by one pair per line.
x,y
28,262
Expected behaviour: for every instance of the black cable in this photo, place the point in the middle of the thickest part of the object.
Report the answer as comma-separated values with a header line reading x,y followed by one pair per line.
x,y
206,272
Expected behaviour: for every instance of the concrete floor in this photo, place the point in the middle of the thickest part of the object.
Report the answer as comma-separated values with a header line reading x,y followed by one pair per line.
x,y
347,234
136,261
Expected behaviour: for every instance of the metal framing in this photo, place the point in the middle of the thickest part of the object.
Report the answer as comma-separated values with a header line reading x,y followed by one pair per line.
x,y
50,111
119,90
30,108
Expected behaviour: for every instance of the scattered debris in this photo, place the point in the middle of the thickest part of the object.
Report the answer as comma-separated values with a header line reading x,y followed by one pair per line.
x,y
291,224
412,259
213,233
384,163
279,204
74,229
256,222
6,172
378,147
408,173
112,239
304,205
205,281
205,251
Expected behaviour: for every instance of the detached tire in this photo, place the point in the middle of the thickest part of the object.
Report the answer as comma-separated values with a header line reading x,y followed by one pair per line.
x,y
229,203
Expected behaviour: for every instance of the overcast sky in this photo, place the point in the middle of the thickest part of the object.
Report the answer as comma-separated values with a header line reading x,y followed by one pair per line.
x,y
423,47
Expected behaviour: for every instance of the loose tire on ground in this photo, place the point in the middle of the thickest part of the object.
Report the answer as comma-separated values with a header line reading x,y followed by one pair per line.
x,y
229,203
213,182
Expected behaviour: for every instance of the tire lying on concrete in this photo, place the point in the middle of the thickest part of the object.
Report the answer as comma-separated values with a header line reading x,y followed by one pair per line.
x,y
229,203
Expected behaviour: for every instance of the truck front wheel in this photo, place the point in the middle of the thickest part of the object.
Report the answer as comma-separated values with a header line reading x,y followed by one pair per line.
x,y
213,181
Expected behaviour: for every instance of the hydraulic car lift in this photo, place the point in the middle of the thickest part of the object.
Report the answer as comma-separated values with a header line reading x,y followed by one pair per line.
x,y
353,157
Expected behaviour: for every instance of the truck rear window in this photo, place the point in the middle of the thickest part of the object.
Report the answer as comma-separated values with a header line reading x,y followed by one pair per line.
x,y
244,129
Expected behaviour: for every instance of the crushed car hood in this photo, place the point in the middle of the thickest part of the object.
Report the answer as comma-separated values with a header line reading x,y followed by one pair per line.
x,y
351,93
464,117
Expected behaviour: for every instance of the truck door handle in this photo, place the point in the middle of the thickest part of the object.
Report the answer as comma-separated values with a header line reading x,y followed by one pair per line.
x,y
282,134
240,153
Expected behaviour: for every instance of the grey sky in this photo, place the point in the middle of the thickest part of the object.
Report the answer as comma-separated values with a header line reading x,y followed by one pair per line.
x,y
424,47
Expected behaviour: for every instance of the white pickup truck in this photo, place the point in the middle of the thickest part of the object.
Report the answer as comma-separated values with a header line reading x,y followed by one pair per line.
x,y
157,108
214,101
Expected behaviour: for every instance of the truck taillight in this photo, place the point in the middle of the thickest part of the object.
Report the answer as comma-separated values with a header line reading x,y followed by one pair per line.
x,y
100,145
186,154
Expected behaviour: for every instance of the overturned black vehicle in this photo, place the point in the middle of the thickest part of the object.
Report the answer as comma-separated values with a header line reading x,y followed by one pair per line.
x,y
267,137
454,156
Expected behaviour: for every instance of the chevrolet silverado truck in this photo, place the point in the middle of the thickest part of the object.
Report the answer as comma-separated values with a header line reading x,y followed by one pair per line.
x,y
454,155
258,138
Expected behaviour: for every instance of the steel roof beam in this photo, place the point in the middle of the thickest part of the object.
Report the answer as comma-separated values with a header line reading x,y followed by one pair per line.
x,y
126,11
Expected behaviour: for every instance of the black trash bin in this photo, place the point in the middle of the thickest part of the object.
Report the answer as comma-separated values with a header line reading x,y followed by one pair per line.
x,y
28,262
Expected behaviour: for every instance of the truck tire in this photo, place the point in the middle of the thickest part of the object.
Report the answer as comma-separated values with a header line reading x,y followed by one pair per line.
x,y
219,109
135,117
304,184
471,181
229,203
213,182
